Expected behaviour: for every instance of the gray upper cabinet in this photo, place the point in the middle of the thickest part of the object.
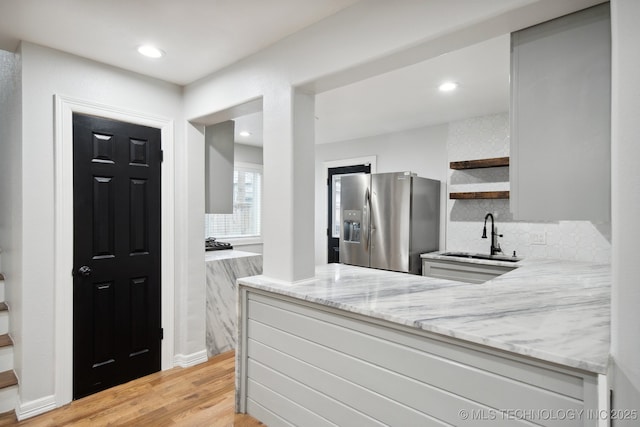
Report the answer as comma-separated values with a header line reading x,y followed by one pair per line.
x,y
219,154
560,118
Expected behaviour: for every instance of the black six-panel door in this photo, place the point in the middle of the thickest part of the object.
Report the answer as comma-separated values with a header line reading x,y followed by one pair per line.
x,y
333,203
116,295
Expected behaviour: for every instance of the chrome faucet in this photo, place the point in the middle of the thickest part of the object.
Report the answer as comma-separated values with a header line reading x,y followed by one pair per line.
x,y
495,246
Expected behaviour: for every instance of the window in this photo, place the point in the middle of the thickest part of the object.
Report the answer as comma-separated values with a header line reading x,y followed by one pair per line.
x,y
245,221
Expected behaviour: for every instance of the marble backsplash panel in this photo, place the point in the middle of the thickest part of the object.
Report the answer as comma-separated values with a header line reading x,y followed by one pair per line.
x,y
488,136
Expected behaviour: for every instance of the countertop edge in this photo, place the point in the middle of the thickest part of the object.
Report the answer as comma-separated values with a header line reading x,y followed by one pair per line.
x,y
438,256
221,255
552,310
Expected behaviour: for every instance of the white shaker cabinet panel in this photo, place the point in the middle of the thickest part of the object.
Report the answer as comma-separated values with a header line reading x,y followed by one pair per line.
x,y
462,271
560,118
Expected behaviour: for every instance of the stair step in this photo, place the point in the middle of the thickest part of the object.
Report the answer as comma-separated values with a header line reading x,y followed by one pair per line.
x,y
1,276
4,319
8,391
5,340
8,379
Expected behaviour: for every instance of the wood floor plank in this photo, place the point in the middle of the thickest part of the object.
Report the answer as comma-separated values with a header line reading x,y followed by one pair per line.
x,y
202,395
218,415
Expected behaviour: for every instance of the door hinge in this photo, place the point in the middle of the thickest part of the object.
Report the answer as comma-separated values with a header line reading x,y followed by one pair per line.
x,y
328,233
161,156
161,333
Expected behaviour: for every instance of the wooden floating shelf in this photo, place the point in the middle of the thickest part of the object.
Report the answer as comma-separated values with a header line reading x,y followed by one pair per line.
x,y
480,195
480,163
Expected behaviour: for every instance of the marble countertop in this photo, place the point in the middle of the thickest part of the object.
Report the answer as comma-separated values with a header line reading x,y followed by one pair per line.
x,y
227,254
553,310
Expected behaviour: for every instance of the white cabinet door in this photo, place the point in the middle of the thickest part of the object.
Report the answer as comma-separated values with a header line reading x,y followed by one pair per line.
x,y
560,118
462,271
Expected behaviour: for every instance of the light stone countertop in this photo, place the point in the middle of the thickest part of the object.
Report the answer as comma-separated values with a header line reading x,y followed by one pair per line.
x,y
226,254
553,310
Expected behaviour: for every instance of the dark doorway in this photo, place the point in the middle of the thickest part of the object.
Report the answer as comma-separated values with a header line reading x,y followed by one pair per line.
x,y
333,203
116,255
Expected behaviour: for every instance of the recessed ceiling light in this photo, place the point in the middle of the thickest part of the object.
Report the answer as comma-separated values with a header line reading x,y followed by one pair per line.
x,y
150,51
448,86
245,133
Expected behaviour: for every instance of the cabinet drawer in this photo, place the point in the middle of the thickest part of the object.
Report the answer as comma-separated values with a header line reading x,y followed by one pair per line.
x,y
461,271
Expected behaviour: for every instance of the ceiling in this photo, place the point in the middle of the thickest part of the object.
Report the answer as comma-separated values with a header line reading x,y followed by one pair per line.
x,y
198,36
409,98
203,36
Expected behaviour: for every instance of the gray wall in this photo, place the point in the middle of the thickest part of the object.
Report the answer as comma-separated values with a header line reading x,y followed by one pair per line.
x,y
248,153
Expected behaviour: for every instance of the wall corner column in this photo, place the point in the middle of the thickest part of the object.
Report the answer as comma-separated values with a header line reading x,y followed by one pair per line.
x,y
288,197
625,205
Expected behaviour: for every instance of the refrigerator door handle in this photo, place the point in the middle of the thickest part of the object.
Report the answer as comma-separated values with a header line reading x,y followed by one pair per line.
x,y
365,219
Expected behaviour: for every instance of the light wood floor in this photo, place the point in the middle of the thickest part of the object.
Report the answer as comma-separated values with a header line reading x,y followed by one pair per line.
x,y
201,395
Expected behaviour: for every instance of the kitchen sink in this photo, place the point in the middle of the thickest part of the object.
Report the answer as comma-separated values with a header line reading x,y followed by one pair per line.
x,y
482,256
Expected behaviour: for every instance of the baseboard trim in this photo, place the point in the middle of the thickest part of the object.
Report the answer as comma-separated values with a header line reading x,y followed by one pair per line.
x,y
35,407
186,360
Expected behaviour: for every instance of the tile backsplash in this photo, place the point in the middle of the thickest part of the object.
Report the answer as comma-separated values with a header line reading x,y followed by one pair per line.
x,y
485,137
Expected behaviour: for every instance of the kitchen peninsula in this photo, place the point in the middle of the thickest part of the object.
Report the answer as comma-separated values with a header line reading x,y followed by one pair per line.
x,y
357,346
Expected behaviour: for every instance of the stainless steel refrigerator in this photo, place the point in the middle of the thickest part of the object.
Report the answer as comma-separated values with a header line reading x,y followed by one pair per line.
x,y
388,220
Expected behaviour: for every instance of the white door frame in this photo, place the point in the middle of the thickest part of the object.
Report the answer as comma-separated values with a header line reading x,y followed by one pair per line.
x,y
325,194
63,257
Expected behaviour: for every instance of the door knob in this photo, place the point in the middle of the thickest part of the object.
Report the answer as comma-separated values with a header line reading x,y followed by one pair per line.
x,y
85,271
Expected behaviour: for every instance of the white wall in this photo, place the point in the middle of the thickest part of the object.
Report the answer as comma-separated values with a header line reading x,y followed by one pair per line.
x,y
47,72
422,151
190,268
625,152
11,188
248,154
485,137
